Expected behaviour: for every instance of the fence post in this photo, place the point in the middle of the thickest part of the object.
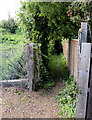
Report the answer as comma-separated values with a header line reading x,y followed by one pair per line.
x,y
30,65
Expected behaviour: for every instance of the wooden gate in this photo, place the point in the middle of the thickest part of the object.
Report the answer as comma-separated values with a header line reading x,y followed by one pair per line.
x,y
84,77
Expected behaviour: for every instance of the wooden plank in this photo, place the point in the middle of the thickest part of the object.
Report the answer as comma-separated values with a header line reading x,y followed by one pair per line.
x,y
82,80
89,106
89,110
13,83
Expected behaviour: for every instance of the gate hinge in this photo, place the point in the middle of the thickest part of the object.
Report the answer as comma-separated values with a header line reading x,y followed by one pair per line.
x,y
91,55
88,90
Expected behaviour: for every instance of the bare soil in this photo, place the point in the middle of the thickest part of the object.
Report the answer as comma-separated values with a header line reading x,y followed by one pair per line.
x,y
21,103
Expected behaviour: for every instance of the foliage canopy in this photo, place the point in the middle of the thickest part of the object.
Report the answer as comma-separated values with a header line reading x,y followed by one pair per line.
x,y
33,17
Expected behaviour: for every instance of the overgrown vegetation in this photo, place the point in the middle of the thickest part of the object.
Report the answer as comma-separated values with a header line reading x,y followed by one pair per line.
x,y
58,66
13,64
45,24
58,70
13,39
9,26
12,51
67,98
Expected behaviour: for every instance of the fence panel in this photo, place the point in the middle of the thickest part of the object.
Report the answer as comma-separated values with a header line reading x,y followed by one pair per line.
x,y
70,50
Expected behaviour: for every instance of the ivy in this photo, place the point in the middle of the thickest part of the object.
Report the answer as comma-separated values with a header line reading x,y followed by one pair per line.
x,y
67,98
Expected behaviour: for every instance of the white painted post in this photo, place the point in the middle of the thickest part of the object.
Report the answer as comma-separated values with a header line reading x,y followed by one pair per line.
x,y
83,78
84,32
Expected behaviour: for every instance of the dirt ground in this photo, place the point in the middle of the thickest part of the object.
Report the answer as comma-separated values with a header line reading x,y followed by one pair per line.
x,y
21,103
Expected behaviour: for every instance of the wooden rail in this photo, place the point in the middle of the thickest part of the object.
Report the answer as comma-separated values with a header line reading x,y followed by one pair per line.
x,y
12,83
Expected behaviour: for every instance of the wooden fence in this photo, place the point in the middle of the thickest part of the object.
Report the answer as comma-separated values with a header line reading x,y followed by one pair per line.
x,y
79,58
89,102
70,50
84,80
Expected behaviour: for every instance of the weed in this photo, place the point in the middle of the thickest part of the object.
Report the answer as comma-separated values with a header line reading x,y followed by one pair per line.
x,y
25,99
17,92
49,85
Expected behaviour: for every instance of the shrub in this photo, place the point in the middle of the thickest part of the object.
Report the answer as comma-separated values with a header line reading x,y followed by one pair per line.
x,y
11,38
67,98
13,64
9,26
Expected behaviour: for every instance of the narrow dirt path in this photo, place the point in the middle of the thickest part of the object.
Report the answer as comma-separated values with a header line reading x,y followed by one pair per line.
x,y
21,103
58,72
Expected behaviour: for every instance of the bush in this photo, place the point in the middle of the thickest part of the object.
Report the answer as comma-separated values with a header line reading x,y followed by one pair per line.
x,y
13,64
9,26
11,38
12,52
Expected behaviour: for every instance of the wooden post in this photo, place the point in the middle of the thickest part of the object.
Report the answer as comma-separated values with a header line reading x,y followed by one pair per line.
x,y
30,66
83,77
89,106
82,33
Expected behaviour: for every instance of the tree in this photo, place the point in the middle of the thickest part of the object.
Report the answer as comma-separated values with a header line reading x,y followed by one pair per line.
x,y
44,23
81,11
